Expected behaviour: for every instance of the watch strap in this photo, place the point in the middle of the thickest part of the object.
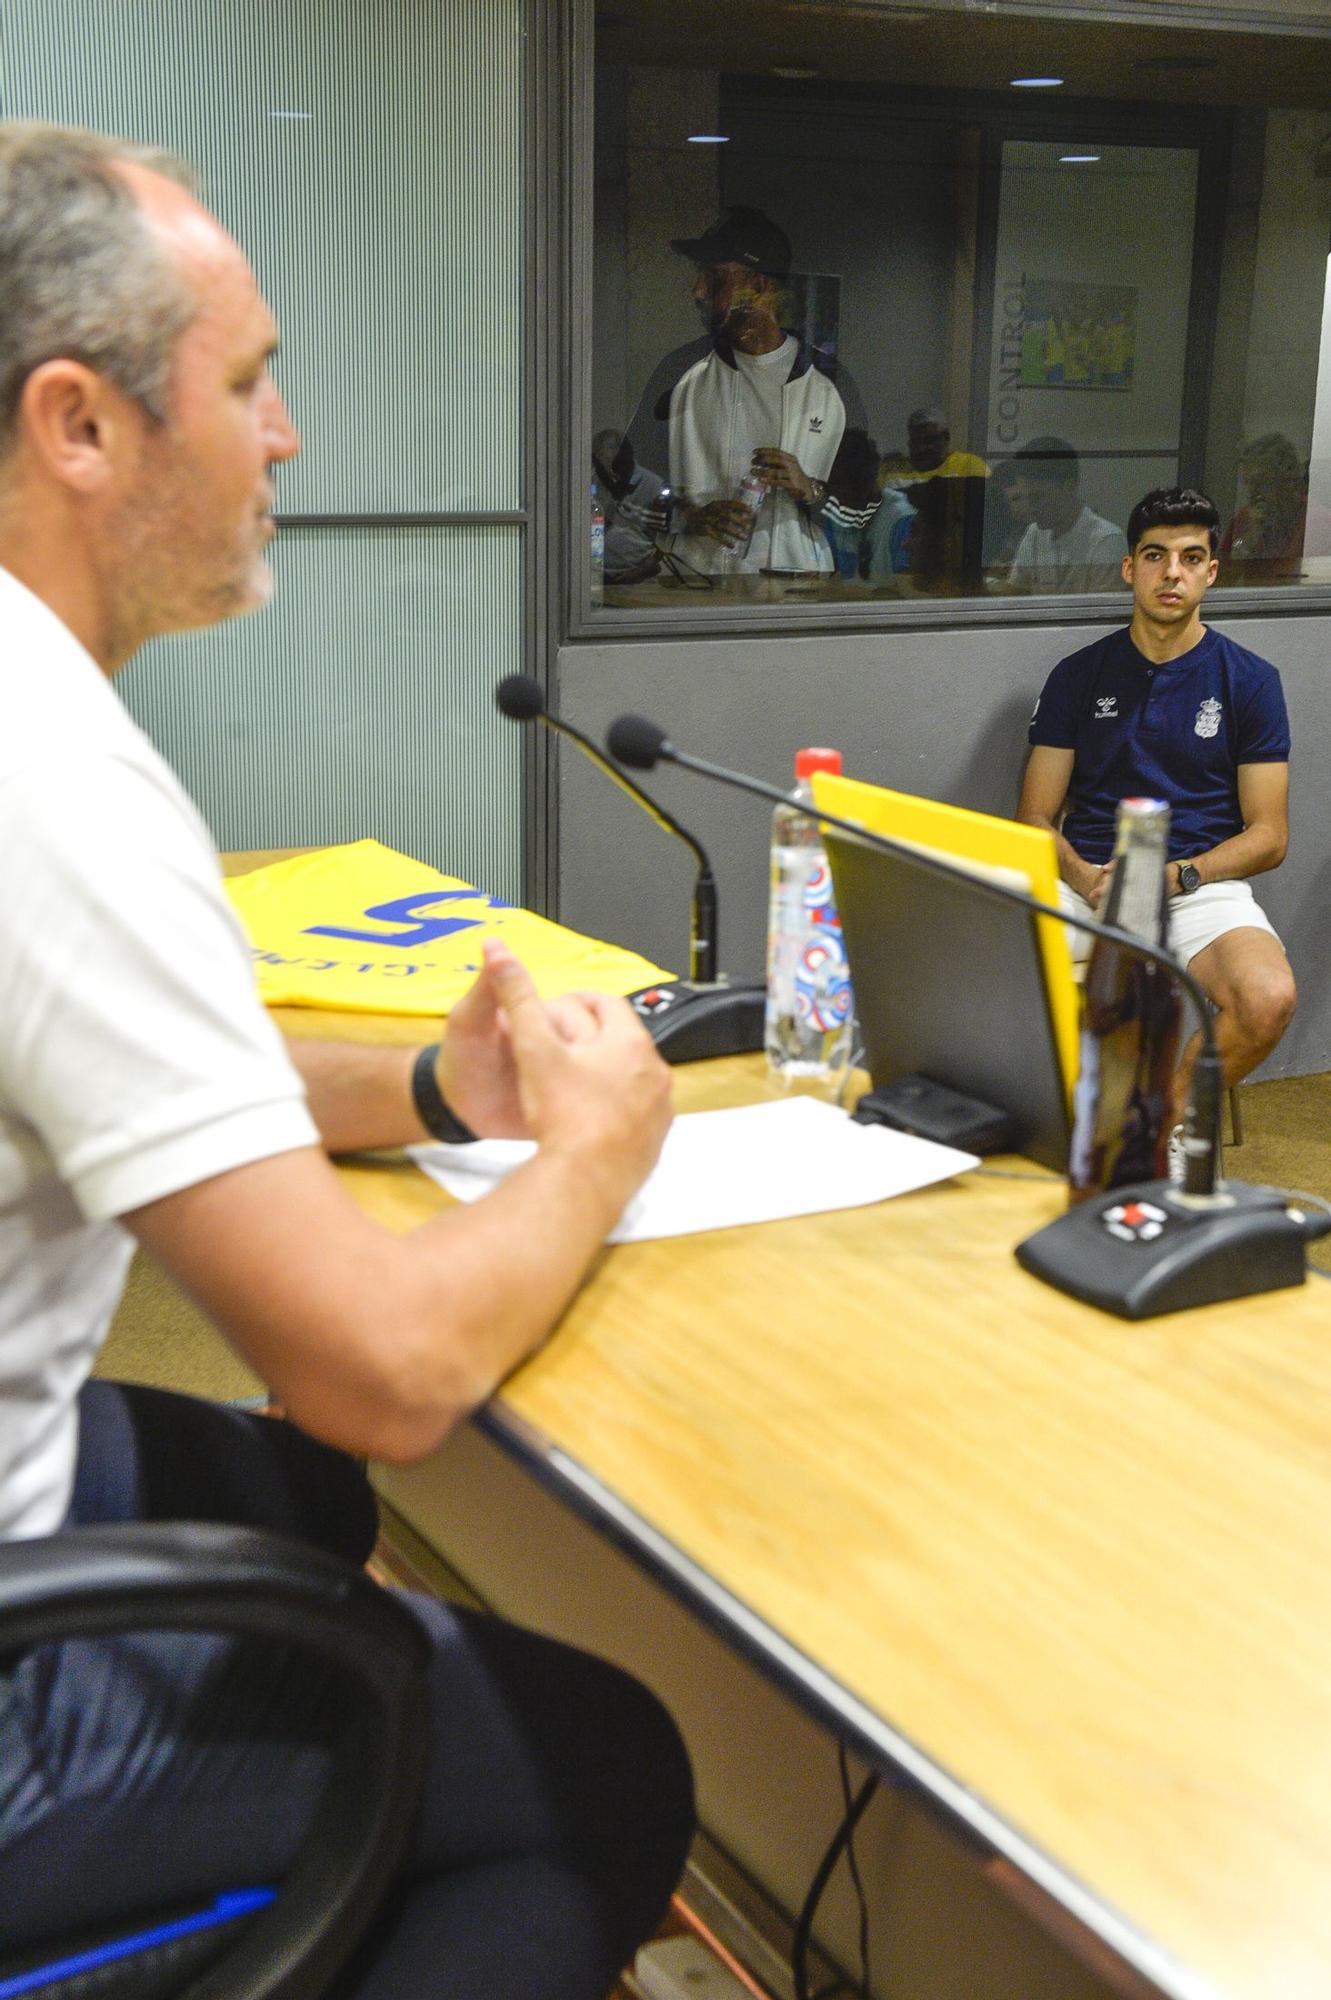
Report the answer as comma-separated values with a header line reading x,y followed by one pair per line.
x,y
432,1106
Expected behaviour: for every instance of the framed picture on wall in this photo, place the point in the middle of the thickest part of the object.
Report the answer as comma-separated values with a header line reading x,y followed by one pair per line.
x,y
1078,336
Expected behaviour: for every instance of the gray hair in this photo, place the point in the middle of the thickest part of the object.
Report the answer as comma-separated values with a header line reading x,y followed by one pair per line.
x,y
82,276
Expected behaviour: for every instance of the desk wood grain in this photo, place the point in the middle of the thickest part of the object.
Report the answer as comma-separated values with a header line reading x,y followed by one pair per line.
x,y
1084,1566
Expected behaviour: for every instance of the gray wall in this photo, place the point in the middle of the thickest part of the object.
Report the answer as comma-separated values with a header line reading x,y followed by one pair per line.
x,y
939,714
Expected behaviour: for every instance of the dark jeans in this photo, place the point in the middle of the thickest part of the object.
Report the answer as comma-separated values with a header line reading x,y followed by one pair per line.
x,y
558,1802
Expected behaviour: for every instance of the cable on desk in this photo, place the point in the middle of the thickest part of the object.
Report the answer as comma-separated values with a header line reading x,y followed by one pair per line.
x,y
843,1840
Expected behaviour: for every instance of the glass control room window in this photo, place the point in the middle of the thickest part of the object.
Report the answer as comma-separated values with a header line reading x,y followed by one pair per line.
x,y
882,309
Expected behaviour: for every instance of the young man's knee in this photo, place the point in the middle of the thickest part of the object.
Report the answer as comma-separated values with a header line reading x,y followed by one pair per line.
x,y
1265,1006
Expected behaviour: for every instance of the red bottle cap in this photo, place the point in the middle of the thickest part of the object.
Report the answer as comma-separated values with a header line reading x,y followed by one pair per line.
x,y
809,761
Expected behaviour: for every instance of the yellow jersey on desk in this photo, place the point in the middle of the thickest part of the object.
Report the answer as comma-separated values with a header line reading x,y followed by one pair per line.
x,y
364,929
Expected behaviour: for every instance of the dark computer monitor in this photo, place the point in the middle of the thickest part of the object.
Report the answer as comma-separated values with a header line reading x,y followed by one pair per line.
x,y
950,984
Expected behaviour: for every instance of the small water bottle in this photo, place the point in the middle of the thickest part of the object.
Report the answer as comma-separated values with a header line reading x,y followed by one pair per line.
x,y
809,1002
598,547
751,492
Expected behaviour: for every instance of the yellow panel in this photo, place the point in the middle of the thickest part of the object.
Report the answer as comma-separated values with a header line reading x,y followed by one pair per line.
x,y
993,843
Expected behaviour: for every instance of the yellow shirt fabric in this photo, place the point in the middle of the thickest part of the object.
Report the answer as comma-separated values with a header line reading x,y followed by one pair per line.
x,y
364,929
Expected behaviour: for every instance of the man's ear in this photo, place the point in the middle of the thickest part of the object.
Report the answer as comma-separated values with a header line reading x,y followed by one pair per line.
x,y
1127,567
76,422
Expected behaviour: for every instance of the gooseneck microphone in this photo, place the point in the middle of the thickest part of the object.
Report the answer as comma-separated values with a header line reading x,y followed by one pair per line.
x,y
706,1015
1125,1251
522,699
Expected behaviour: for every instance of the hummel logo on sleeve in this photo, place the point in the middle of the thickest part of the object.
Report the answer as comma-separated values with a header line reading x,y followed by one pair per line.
x,y
1106,707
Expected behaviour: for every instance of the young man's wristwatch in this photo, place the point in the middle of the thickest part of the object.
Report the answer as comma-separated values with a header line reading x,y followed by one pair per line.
x,y
1188,878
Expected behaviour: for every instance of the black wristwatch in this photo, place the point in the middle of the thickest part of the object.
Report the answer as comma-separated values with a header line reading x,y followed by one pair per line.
x,y
435,1114
1188,878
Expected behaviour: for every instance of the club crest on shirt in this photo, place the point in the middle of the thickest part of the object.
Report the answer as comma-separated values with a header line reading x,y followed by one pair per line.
x,y
1208,717
1106,707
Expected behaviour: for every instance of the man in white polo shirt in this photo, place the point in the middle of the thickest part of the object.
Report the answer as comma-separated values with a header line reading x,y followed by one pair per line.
x,y
1066,548
145,1096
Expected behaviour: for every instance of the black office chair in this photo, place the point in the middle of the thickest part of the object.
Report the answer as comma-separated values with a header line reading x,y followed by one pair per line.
x,y
282,1944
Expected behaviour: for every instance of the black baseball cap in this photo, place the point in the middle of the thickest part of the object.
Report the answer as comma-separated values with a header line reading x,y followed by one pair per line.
x,y
740,236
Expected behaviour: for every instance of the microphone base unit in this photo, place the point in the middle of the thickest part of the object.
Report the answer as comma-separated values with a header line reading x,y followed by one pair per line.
x,y
691,1020
935,1111
1150,1249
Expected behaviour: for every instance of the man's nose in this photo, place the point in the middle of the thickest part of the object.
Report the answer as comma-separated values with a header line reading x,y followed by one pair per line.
x,y
281,436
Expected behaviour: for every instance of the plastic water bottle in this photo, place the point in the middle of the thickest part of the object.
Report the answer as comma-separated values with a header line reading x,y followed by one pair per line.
x,y
598,547
751,492
809,1002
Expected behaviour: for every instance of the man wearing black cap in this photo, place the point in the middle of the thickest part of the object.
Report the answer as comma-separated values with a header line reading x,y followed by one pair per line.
x,y
753,400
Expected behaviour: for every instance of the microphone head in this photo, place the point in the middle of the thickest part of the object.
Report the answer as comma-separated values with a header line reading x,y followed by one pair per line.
x,y
520,698
633,740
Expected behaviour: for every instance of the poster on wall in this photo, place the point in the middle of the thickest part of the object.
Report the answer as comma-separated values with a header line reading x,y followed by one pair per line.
x,y
1078,336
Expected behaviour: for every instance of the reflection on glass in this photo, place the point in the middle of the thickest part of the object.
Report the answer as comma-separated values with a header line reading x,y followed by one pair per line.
x,y
1065,547
898,339
749,418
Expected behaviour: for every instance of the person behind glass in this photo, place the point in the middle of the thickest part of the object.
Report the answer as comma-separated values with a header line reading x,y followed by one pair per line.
x,y
637,509
1277,526
1066,548
929,453
867,531
1171,709
946,490
146,1097
757,402
1005,520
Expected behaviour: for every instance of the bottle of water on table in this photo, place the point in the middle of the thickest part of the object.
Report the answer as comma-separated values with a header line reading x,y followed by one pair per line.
x,y
809,1002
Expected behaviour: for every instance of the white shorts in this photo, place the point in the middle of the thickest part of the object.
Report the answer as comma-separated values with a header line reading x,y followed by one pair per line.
x,y
1194,921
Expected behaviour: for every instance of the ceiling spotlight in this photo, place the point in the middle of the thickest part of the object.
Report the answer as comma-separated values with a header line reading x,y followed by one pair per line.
x,y
709,138
291,114
1077,159
1035,82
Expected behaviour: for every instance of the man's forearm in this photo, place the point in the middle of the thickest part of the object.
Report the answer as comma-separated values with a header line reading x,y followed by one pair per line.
x,y
359,1093
1079,875
1251,852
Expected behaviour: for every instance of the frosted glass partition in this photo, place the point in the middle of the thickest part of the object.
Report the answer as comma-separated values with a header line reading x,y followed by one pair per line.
x,y
370,160
359,703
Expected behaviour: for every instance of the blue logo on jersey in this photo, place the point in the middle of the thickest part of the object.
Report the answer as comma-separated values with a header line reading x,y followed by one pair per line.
x,y
419,930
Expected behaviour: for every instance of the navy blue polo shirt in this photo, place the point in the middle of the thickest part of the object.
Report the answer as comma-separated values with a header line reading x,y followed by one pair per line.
x,y
1176,731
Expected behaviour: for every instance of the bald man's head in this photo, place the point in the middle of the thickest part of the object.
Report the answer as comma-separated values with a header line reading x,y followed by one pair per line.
x,y
85,271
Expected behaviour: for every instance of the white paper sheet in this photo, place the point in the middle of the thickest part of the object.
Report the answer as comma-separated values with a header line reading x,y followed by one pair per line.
x,y
720,1168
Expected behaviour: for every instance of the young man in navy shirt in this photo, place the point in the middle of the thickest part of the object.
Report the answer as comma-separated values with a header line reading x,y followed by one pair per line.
x,y
1171,709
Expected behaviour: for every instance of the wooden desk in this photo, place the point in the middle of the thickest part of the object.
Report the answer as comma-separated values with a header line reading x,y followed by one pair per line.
x,y
1069,1576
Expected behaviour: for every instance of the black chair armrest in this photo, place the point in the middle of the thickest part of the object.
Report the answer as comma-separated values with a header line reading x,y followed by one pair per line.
x,y
192,1576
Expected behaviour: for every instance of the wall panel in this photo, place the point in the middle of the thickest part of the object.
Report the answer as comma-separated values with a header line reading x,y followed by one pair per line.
x,y
359,703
